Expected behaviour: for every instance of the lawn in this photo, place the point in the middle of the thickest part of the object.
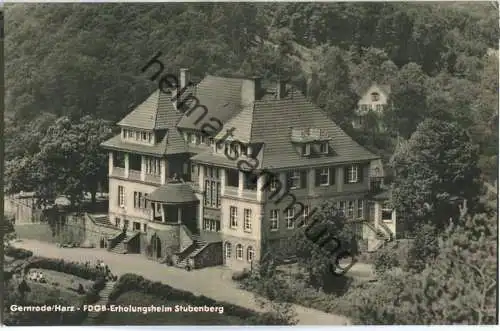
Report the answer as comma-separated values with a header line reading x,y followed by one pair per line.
x,y
135,298
64,281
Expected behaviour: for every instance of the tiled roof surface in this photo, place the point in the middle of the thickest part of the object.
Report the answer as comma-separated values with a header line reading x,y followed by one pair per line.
x,y
156,113
271,122
221,96
172,193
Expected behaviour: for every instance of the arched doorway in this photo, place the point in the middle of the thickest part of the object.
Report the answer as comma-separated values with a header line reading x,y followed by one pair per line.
x,y
156,246
102,243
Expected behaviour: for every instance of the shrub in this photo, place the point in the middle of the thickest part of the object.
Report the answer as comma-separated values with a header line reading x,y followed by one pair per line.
x,y
240,275
18,253
131,282
80,290
99,284
72,268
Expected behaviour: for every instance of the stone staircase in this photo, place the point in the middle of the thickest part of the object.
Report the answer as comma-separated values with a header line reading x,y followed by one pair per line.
x,y
102,220
119,248
93,316
197,246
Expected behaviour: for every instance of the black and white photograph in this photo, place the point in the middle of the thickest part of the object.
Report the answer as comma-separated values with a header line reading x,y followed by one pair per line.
x,y
250,163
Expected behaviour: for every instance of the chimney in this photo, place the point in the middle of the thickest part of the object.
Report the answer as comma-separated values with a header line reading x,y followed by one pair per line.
x,y
280,89
185,77
251,89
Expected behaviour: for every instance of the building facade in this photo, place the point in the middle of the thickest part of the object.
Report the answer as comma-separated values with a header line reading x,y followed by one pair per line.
x,y
184,192
372,104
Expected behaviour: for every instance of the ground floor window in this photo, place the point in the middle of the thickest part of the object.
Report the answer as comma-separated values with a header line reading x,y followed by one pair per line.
x,y
239,252
137,226
250,254
227,250
145,227
211,225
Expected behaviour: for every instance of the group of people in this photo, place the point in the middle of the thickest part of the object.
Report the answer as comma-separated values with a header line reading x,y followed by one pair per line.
x,y
36,276
103,267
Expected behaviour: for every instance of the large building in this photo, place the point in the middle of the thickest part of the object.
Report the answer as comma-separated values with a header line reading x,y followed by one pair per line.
x,y
178,196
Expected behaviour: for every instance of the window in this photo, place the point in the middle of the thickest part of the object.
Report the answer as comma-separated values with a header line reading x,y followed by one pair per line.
x,y
121,196
144,136
294,179
324,177
306,150
324,148
158,208
350,209
152,166
386,212
275,183
212,193
244,150
137,226
247,220
290,215
250,254
342,208
150,137
239,252
250,180
375,96
379,108
305,214
145,227
227,250
211,225
130,134
136,199
233,217
360,208
117,221
193,139
352,174
274,219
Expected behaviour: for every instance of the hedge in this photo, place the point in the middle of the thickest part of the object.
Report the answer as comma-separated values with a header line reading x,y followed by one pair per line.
x,y
18,253
73,268
132,282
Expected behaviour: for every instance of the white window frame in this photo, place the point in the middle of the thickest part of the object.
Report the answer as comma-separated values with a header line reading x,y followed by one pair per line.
x,y
306,150
121,196
228,250
352,174
322,174
247,220
386,208
274,184
233,217
289,218
250,254
239,252
324,147
295,177
350,209
342,207
274,219
360,208
305,213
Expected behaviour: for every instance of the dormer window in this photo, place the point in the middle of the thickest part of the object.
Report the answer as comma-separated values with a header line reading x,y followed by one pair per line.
x,y
306,149
324,148
244,150
375,96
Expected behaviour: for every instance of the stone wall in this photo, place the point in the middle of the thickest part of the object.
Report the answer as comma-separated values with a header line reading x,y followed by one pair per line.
x,y
209,256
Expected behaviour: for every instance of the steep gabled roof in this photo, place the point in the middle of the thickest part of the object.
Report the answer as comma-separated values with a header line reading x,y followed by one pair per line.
x,y
156,113
384,88
221,96
270,121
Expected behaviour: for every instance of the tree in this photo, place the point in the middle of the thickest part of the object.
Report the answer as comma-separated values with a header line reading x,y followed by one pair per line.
x,y
458,286
336,96
437,164
272,293
408,99
316,255
69,162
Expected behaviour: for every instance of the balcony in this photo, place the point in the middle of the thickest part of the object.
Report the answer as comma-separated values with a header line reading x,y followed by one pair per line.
x,y
150,178
117,171
249,194
134,174
231,191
